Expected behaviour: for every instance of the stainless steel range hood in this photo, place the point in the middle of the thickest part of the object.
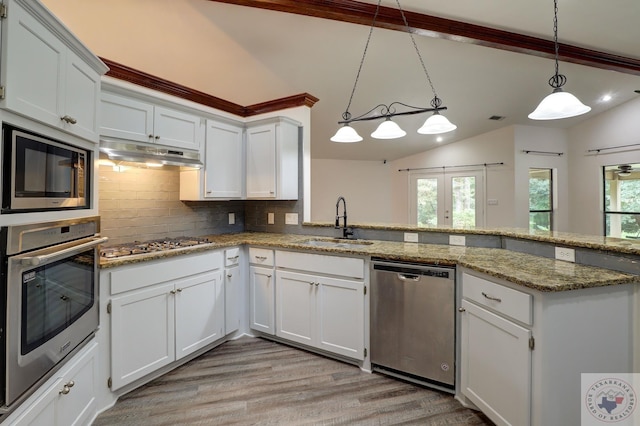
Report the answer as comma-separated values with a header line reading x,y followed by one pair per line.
x,y
136,152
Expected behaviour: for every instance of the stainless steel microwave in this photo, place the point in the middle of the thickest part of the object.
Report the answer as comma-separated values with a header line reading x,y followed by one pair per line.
x,y
40,173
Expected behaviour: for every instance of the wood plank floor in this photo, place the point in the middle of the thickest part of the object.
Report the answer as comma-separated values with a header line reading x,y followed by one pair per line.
x,y
252,381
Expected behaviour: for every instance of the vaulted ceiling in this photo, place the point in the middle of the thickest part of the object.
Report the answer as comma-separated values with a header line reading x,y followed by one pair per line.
x,y
248,55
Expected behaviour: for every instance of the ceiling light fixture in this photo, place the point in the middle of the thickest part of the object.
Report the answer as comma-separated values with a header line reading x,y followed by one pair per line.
x,y
559,104
389,129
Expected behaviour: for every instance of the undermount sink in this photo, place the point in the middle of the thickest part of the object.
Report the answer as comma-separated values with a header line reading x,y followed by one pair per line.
x,y
336,242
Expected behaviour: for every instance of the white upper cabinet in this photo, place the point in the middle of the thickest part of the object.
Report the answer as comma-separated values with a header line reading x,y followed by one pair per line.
x,y
222,176
47,74
272,159
130,118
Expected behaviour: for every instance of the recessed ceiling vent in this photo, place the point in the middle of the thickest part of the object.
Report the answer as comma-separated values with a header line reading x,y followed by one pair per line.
x,y
497,117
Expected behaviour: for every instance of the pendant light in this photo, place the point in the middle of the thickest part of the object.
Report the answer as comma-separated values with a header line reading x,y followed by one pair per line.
x,y
389,129
559,104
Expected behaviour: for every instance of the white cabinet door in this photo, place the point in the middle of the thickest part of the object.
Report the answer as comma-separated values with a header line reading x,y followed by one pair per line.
x,y
34,69
68,401
496,366
177,129
199,312
82,98
340,316
233,299
78,406
261,161
126,118
223,165
142,333
262,299
296,307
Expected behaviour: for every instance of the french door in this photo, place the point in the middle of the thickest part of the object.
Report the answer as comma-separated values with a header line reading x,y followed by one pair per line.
x,y
453,199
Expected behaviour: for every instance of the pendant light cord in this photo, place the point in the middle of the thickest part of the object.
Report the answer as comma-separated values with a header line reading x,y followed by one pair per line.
x,y
558,80
415,46
347,115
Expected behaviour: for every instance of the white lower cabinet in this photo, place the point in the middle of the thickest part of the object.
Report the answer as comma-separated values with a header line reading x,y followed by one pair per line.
x,y
68,401
175,308
496,361
262,299
523,351
322,304
322,312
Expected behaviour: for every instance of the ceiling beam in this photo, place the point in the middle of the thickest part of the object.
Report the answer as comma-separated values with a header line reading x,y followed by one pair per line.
x,y
356,12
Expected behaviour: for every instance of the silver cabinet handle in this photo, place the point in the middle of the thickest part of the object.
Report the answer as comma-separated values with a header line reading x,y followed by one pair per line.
x,y
66,388
157,137
150,136
68,119
461,309
209,192
496,299
317,284
269,276
261,257
404,277
229,275
178,290
311,284
235,257
172,292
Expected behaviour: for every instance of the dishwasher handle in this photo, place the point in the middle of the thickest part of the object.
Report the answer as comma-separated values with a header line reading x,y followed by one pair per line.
x,y
408,277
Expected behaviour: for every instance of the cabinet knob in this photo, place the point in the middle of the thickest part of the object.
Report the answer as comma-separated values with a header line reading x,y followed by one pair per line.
x,y
157,137
269,276
209,192
65,390
172,292
179,290
229,275
317,284
150,136
461,309
71,383
68,119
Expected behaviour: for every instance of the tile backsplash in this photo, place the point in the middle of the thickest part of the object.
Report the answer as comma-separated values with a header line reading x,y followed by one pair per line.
x,y
139,204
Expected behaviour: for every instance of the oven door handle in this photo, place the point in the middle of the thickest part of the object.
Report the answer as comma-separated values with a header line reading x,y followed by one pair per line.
x,y
45,258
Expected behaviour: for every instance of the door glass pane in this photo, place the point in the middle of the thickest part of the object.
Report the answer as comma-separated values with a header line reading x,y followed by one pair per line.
x,y
427,201
622,200
540,199
463,197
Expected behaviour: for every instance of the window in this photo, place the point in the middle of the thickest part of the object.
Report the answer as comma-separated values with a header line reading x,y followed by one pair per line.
x,y
622,201
541,199
447,199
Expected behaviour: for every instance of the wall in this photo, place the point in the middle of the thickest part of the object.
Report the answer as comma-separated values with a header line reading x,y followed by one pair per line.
x,y
616,127
141,204
493,147
366,185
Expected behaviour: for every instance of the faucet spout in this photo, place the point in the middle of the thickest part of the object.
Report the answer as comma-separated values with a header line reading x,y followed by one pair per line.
x,y
346,232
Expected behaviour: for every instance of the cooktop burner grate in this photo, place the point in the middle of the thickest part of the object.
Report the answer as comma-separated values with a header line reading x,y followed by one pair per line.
x,y
138,247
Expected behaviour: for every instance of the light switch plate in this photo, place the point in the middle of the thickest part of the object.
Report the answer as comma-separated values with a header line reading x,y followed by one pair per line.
x,y
410,237
457,240
492,202
232,218
291,219
271,218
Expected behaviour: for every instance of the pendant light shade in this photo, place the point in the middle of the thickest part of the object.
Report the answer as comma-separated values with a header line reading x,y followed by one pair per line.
x,y
557,105
388,130
346,134
436,124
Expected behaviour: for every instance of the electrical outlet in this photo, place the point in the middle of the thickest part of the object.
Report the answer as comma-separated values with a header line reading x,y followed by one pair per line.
x,y
492,202
232,218
271,218
410,237
567,254
457,240
291,219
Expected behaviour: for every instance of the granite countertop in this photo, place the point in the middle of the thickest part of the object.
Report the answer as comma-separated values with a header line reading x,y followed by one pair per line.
x,y
597,242
527,270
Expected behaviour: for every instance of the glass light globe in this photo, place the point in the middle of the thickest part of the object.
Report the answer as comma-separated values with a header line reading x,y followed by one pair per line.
x,y
346,134
557,105
436,124
388,130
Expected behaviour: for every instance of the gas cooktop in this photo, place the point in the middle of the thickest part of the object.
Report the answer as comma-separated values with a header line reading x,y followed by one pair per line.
x,y
143,247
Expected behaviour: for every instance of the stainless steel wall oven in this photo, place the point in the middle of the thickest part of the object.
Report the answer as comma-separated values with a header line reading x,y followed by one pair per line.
x,y
40,173
49,301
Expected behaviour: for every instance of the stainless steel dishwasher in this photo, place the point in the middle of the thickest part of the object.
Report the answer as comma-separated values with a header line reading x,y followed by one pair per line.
x,y
413,322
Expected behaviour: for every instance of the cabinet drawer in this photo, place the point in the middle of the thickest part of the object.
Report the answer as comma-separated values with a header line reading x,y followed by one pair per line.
x,y
507,301
261,256
232,256
320,263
